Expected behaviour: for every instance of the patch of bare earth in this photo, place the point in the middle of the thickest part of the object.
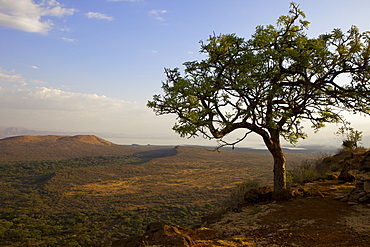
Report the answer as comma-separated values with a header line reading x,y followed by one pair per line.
x,y
308,221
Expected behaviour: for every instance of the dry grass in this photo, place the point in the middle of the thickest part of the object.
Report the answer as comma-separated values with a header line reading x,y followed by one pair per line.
x,y
120,198
194,176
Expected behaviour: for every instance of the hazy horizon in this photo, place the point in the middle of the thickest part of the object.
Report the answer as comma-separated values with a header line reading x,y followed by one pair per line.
x,y
254,141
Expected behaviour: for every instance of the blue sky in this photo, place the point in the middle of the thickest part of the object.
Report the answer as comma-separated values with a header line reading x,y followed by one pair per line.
x,y
91,66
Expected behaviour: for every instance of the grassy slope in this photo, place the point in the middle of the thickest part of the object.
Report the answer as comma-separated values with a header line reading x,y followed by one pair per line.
x,y
96,200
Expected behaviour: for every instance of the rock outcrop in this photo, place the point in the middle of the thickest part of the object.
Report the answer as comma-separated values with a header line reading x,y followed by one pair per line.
x,y
260,194
365,163
356,169
160,234
360,194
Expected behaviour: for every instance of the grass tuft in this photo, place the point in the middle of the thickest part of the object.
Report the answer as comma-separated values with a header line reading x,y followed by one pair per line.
x,y
237,193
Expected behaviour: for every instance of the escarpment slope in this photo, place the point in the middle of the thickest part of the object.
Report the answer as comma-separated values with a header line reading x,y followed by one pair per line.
x,y
54,147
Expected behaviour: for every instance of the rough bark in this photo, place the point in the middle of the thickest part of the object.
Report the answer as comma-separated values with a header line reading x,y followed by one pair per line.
x,y
274,146
279,172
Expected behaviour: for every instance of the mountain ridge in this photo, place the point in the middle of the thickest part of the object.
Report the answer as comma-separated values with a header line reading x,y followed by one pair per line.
x,y
57,147
89,139
18,131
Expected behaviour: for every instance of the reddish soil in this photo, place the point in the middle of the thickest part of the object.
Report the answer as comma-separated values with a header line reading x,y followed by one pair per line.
x,y
316,220
310,222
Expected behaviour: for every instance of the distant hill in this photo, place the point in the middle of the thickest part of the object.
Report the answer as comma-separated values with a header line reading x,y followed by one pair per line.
x,y
13,131
17,131
50,139
54,147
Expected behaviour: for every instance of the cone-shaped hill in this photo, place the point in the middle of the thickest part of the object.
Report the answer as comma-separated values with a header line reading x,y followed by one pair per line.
x,y
49,139
54,147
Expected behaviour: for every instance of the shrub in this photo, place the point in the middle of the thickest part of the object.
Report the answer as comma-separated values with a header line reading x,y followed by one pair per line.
x,y
307,170
351,138
237,193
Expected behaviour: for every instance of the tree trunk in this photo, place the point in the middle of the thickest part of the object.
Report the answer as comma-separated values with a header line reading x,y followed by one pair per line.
x,y
274,146
279,172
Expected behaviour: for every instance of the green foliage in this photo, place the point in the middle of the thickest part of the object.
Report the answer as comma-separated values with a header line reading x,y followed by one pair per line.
x,y
44,203
39,168
30,214
351,138
269,84
271,81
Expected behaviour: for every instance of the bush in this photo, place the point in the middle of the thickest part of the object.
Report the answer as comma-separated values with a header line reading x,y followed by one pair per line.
x,y
306,171
237,194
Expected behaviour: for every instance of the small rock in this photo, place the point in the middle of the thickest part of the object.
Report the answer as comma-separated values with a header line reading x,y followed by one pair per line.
x,y
361,194
363,199
359,183
367,186
206,233
258,195
352,203
331,176
356,196
345,198
338,197
365,163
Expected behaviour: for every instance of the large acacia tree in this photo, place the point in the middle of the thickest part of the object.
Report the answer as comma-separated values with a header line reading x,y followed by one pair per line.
x,y
270,84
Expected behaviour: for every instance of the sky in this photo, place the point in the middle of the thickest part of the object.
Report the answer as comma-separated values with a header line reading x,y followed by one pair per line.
x,y
91,66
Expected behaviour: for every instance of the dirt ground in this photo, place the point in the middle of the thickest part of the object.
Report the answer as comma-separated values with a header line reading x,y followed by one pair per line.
x,y
316,220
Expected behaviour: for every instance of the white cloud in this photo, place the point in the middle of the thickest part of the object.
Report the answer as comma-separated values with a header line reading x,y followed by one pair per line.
x,y
54,109
54,8
64,29
68,39
156,14
10,76
34,67
38,82
25,15
101,16
45,98
50,98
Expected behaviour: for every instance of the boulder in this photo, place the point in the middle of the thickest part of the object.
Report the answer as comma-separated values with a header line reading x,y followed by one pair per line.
x,y
346,176
360,194
365,163
159,234
364,198
259,194
367,186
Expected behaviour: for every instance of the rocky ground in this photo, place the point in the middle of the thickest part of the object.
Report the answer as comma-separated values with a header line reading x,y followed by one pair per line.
x,y
312,219
316,220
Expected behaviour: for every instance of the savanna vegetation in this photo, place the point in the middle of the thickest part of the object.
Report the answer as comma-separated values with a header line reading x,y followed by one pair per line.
x,y
90,201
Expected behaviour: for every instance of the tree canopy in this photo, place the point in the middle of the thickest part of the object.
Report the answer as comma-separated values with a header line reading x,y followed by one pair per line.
x,y
270,84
